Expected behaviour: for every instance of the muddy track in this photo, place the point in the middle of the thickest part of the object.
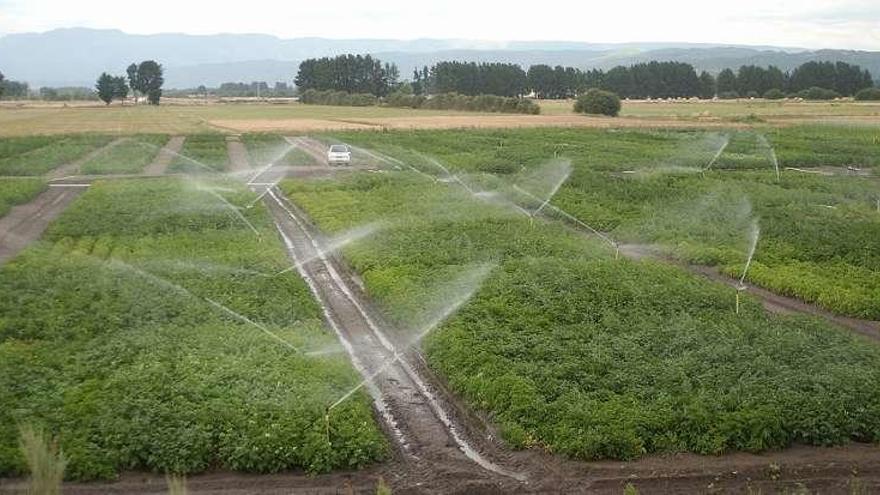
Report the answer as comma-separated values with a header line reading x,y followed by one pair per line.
x,y
72,168
239,161
165,156
417,419
25,223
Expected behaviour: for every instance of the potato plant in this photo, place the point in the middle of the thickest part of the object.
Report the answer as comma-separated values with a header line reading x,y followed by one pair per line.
x,y
647,187
36,155
128,157
17,191
570,350
201,154
108,342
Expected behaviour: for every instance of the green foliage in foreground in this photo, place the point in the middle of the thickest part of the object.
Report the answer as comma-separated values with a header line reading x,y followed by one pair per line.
x,y
570,350
128,157
36,155
202,153
107,342
17,191
646,187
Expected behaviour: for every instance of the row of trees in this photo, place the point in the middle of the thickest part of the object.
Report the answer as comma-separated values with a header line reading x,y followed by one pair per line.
x,y
750,80
145,78
348,73
13,89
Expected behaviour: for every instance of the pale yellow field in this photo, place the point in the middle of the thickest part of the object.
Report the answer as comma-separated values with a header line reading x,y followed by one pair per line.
x,y
176,117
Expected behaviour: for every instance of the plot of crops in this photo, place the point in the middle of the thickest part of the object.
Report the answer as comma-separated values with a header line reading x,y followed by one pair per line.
x,y
127,157
568,348
201,153
816,231
36,155
150,331
17,191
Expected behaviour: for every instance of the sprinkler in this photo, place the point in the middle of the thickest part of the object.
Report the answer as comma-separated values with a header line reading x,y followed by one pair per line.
x,y
616,251
327,425
739,290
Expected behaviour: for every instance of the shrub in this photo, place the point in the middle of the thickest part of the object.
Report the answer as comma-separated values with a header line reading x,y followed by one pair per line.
x,y
868,94
728,95
817,93
774,94
597,101
752,94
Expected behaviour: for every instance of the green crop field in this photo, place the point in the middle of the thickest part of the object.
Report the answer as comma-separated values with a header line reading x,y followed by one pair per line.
x,y
648,187
201,153
14,191
114,338
571,350
128,157
36,155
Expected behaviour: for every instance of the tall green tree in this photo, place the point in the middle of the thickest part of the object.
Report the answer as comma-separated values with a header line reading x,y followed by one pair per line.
x,y
2,86
106,87
348,73
726,81
132,72
120,88
707,86
150,80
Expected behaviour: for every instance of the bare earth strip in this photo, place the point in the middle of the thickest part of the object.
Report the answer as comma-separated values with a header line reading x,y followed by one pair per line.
x,y
238,155
165,156
73,167
476,121
25,223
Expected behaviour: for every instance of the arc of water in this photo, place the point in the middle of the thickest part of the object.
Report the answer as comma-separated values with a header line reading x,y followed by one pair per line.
x,y
553,191
183,291
772,153
572,218
755,232
284,152
718,153
235,211
337,243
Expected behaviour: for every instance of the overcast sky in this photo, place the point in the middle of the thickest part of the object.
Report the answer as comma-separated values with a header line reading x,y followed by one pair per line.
x,y
851,24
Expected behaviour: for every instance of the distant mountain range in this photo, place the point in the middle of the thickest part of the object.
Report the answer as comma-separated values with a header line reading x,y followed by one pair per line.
x,y
75,57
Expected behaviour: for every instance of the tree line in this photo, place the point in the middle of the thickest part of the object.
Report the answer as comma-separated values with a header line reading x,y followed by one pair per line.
x,y
350,73
145,78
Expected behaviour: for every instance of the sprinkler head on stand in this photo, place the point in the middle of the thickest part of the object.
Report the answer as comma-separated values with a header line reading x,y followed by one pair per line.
x,y
740,288
327,425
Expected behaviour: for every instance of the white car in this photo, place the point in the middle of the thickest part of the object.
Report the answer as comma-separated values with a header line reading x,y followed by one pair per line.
x,y
339,154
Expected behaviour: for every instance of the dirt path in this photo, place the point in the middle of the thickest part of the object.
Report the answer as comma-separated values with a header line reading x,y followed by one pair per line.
x,y
239,162
25,223
165,156
417,419
72,168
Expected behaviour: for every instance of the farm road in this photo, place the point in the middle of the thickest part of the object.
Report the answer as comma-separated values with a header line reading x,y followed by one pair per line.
x,y
165,156
25,223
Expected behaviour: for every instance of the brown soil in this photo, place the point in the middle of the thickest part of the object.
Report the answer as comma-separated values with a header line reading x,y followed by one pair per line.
x,y
165,156
238,155
25,223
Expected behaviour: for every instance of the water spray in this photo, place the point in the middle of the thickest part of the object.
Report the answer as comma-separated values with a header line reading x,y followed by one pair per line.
x,y
337,243
717,155
772,154
234,209
754,233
